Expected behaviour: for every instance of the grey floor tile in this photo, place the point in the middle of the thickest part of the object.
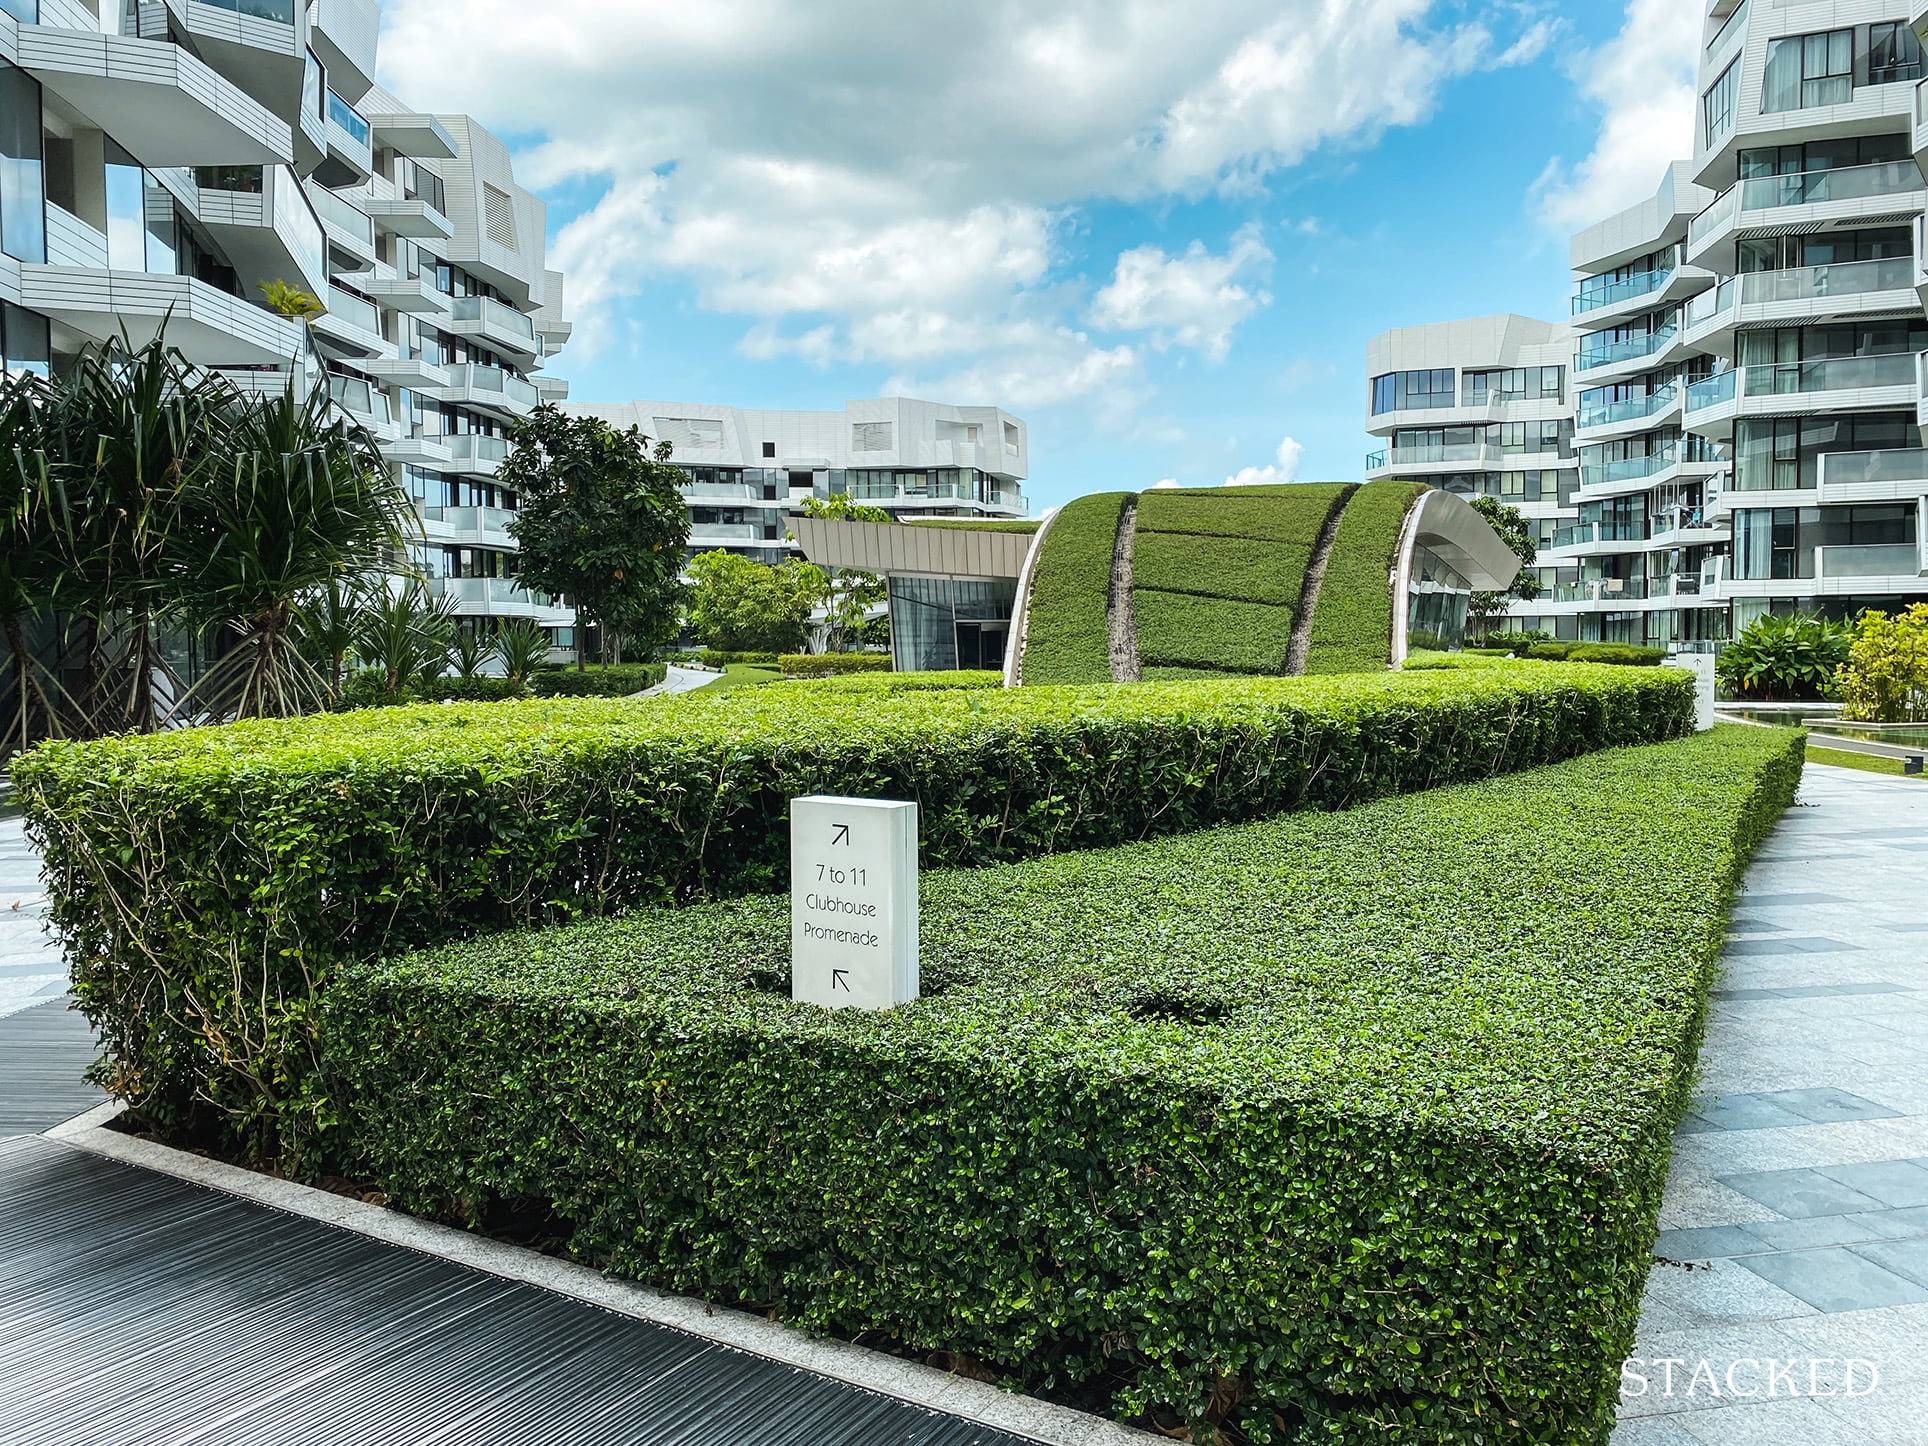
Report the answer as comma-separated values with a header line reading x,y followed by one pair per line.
x,y
1707,1243
1837,1279
1720,1293
1907,1258
1799,1194
1898,1184
1651,1431
1759,948
1827,1105
1773,1423
1770,900
1745,1112
1838,1229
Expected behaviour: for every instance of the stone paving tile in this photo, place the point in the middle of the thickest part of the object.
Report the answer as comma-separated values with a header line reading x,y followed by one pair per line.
x,y
1837,1278
1710,1242
1670,1389
1837,1229
1906,1258
1774,1423
1897,1184
1800,1193
1741,948
1721,1292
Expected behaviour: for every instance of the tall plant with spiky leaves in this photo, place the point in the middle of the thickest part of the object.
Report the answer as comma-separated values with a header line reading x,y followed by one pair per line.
x,y
406,635
327,622
33,555
129,431
521,645
299,498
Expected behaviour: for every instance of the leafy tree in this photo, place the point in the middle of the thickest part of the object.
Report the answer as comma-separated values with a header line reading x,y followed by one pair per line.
x,y
602,524
1885,678
738,605
1516,532
850,593
1784,659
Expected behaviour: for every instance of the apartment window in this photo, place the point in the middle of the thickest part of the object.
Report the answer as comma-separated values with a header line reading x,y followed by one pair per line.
x,y
870,437
1809,70
422,184
1778,454
1400,391
23,211
26,341
1717,106
1894,53
1767,543
27,12
770,449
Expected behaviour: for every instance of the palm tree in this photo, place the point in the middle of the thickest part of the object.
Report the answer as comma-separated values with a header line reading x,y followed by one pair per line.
x,y
32,555
405,635
470,650
326,624
298,498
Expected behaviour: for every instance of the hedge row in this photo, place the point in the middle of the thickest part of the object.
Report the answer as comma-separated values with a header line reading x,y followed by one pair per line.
x,y
1337,1130
1352,624
1066,638
980,524
829,665
207,881
1178,630
961,680
1292,512
1623,654
723,657
618,680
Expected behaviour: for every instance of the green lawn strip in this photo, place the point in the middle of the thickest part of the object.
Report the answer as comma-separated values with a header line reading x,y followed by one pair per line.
x,y
1352,624
739,675
1066,638
1368,1112
1863,762
986,524
1182,630
1240,569
1292,513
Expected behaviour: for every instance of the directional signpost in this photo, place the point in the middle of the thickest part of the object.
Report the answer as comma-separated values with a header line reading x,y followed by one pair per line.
x,y
853,902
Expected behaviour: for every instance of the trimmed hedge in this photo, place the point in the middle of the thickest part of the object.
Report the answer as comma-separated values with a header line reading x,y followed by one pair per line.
x,y
949,682
207,881
975,524
1352,624
618,680
1338,1130
1238,568
1067,638
1621,654
828,665
1293,512
722,658
1182,631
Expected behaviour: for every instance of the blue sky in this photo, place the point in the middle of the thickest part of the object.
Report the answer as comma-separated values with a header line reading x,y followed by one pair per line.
x,y
1162,241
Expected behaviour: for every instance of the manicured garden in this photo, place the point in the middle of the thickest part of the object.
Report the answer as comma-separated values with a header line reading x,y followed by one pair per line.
x,y
1065,639
1248,1124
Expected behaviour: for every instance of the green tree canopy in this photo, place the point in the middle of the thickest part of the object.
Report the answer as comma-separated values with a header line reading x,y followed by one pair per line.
x,y
743,606
1517,533
602,524
850,593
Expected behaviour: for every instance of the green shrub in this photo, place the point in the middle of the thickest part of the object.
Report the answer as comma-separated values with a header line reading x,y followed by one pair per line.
x,y
1368,1113
1784,659
980,524
1352,622
368,688
721,658
208,880
618,680
1619,654
961,680
827,665
1289,513
1884,678
1179,630
1066,637
1241,569
470,690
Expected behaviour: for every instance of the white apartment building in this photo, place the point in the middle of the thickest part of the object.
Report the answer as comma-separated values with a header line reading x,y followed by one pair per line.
x,y
168,158
1750,386
749,470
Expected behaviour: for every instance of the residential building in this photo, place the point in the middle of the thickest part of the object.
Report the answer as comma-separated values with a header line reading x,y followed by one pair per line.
x,y
167,160
750,470
1481,408
1750,385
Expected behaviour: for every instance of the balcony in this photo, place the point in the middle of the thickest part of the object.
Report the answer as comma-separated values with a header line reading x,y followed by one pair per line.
x,y
473,455
344,34
211,327
350,233
160,102
1902,559
264,222
496,596
1857,373
415,295
1807,201
1896,475
1601,590
414,372
552,389
351,157
352,324
1591,535
1622,475
472,384
1598,356
494,324
409,216
470,526
366,404
1602,291
1632,413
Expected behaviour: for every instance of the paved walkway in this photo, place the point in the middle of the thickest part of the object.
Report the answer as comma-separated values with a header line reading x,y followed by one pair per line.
x,y
31,969
680,680
1797,1206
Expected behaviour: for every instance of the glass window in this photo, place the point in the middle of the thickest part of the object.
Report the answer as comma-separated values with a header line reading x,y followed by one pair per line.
x,y
1894,53
27,12
1717,106
23,210
28,345
1399,391
1809,70
126,212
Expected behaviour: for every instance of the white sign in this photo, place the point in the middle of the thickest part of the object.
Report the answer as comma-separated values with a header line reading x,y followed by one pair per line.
x,y
1706,685
853,902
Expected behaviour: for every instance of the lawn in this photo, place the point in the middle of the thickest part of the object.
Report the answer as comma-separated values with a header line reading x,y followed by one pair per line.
x,y
1864,762
741,675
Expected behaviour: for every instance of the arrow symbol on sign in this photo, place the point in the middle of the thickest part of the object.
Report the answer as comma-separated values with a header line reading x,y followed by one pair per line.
x,y
837,980
841,836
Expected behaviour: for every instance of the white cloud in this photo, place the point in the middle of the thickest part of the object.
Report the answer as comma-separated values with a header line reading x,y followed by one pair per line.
x,y
892,185
1195,300
1284,469
1643,80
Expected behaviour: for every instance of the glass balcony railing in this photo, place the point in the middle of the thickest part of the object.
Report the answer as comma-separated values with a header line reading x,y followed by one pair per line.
x,y
1843,183
475,377
336,212
1605,291
1710,304
1717,215
1583,533
1630,409
1624,469
353,309
279,10
1595,354
1905,465
1840,374
1601,589
352,394
490,312
477,447
1712,392
1900,559
348,118
1814,283
1375,461
1734,22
